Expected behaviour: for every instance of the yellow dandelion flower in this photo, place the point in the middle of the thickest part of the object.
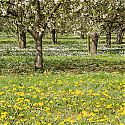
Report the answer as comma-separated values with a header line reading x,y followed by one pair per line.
x,y
109,106
123,112
98,106
6,87
35,104
92,114
34,96
1,93
85,113
91,119
38,123
18,99
121,124
101,120
20,93
96,110
32,118
78,92
79,117
6,123
123,104
95,94
4,113
40,104
27,100
21,115
14,89
49,123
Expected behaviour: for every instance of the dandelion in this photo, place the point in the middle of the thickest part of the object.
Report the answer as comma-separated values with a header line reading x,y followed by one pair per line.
x,y
92,114
40,104
38,123
20,93
109,106
6,123
1,93
20,115
3,115
121,124
85,113
49,124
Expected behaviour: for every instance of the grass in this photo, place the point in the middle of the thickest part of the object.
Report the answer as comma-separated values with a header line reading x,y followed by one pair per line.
x,y
90,98
76,64
75,88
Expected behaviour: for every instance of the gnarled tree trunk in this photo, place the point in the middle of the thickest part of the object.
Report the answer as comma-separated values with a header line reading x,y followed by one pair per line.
x,y
94,43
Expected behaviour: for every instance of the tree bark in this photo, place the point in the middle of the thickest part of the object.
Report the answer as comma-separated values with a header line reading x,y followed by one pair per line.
x,y
94,43
82,35
89,47
108,38
53,31
22,39
39,55
119,36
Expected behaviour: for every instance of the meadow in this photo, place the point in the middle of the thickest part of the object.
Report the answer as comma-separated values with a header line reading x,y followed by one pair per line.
x,y
75,88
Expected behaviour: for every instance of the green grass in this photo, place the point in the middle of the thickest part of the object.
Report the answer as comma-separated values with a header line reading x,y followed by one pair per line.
x,y
63,99
75,88
76,64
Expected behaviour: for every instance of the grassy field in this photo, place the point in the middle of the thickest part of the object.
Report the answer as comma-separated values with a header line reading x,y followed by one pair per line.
x,y
58,99
75,88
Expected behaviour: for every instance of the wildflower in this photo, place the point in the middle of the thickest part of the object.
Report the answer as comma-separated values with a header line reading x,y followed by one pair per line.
x,y
21,115
85,113
38,123
35,104
1,93
92,114
6,123
109,106
121,124
79,117
3,115
49,123
40,104
20,93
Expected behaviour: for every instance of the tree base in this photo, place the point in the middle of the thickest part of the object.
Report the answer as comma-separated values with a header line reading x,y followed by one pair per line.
x,y
39,70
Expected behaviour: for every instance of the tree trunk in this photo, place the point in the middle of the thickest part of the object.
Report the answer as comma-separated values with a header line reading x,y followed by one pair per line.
x,y
22,39
108,38
88,44
39,56
119,36
82,35
54,36
94,43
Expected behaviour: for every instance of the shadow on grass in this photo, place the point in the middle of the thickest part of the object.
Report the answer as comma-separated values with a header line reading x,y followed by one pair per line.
x,y
74,64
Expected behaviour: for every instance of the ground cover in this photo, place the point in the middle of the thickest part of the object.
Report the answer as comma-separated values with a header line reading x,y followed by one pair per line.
x,y
75,88
63,99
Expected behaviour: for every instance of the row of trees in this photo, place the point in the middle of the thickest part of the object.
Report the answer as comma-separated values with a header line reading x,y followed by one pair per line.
x,y
89,17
